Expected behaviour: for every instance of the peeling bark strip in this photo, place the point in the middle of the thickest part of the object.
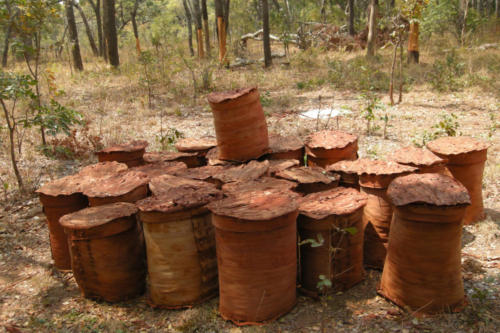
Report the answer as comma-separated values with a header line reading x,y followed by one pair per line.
x,y
73,35
413,54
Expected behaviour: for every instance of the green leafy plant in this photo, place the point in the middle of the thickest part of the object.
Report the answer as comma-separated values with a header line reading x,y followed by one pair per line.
x,y
446,74
169,138
371,105
146,59
265,99
447,125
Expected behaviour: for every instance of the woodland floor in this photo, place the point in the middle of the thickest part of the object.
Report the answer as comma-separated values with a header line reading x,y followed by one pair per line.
x,y
36,298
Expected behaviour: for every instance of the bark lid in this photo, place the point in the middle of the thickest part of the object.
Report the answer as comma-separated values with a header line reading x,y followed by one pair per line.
x,y
308,175
255,205
262,184
195,144
337,201
96,216
63,186
180,199
283,144
168,184
244,172
161,168
414,156
364,166
212,157
102,169
330,140
200,173
346,166
280,165
456,145
228,96
165,156
115,185
128,147
432,188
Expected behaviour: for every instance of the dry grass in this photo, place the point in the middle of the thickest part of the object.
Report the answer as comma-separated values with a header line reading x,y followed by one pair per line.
x,y
36,299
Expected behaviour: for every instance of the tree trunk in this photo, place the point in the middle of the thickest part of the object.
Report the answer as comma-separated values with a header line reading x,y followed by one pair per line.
x,y
268,60
352,32
413,54
96,7
5,54
497,9
205,25
199,27
110,37
73,35
12,129
134,27
189,26
323,11
87,29
400,99
372,29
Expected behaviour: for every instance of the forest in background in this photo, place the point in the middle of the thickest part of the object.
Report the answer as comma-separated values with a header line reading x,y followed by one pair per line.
x,y
81,75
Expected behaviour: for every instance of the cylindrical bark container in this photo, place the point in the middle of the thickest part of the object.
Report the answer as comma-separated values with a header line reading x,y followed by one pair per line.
x,y
327,147
107,251
240,124
262,184
348,172
336,215
167,184
256,238
180,247
374,178
280,165
102,170
241,173
310,179
128,186
466,159
213,159
58,198
161,168
205,173
423,266
190,159
129,153
422,159
200,146
286,148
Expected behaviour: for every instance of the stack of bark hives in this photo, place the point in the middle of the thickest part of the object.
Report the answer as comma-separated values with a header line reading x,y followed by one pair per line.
x,y
250,216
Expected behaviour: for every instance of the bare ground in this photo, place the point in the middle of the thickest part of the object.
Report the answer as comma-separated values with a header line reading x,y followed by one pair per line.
x,y
36,298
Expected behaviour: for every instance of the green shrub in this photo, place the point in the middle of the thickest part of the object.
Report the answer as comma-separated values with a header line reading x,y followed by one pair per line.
x,y
446,74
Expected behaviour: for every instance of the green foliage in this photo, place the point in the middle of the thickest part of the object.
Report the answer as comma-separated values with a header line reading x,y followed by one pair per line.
x,y
265,99
446,74
323,283
169,138
441,16
447,125
55,118
15,86
371,104
313,242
